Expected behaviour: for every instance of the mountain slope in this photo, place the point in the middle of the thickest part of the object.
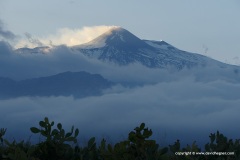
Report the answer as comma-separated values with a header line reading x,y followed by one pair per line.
x,y
119,46
122,47
77,84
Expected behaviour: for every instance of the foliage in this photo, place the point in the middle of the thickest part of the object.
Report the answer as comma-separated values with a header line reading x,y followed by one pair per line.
x,y
137,147
220,143
56,146
2,133
18,151
61,145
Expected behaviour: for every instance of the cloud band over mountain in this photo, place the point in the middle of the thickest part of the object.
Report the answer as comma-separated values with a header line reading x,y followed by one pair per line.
x,y
66,36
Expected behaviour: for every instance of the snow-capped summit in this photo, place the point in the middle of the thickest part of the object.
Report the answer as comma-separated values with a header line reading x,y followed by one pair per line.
x,y
122,47
117,38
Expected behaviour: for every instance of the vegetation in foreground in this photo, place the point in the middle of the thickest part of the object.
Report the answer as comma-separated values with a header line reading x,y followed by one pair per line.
x,y
62,145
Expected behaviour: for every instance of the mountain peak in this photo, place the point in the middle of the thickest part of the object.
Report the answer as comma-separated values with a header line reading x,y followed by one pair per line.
x,y
116,38
116,28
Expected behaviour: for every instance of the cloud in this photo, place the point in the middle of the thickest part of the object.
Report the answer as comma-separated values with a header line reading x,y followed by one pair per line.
x,y
5,48
172,109
66,36
32,40
60,59
5,34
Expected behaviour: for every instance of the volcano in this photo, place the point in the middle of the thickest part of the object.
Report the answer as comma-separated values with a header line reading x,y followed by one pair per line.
x,y
121,47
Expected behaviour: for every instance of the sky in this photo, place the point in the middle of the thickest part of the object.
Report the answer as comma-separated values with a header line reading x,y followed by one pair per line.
x,y
207,27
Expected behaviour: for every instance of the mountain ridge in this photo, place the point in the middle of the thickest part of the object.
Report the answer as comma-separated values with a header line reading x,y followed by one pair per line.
x,y
76,84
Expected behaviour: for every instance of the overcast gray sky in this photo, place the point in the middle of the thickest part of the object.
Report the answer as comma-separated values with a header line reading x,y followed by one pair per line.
x,y
206,27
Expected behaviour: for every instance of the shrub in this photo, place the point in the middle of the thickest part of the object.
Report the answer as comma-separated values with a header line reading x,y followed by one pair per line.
x,y
61,145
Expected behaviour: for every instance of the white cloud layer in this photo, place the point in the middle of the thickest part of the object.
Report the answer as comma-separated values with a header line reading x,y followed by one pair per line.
x,y
184,109
66,36
61,59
